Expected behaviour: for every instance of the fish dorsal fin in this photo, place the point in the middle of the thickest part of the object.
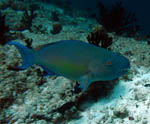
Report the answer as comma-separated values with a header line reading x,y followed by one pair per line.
x,y
44,45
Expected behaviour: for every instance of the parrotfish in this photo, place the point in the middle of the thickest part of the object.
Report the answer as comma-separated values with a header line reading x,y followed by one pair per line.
x,y
75,60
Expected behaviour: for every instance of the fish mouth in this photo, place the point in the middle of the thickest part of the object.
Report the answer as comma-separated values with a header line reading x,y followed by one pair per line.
x,y
126,68
123,71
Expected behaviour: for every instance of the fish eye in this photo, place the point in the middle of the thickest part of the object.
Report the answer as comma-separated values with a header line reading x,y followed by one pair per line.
x,y
109,63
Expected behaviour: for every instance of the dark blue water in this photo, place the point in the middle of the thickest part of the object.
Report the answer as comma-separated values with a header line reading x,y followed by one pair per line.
x,y
140,7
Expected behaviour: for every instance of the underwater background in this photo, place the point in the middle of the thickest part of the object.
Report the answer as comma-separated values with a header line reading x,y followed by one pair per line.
x,y
141,8
29,97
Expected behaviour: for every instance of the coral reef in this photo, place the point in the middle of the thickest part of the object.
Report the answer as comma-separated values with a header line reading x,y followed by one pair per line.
x,y
55,16
118,19
56,28
5,34
3,30
26,21
99,37
28,42
27,96
148,42
18,5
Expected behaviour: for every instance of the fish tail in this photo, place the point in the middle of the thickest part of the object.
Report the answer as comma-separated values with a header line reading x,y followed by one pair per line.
x,y
26,53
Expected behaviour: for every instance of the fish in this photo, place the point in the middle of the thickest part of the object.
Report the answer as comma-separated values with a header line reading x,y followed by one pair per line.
x,y
75,60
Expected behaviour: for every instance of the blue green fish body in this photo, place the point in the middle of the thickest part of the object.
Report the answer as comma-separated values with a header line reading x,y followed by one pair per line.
x,y
75,60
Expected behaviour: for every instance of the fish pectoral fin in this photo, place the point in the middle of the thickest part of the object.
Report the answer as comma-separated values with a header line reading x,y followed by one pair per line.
x,y
85,82
48,72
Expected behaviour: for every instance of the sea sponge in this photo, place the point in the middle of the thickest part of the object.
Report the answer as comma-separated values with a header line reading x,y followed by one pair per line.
x,y
57,27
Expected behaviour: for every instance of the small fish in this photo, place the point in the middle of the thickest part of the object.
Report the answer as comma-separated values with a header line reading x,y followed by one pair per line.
x,y
75,60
